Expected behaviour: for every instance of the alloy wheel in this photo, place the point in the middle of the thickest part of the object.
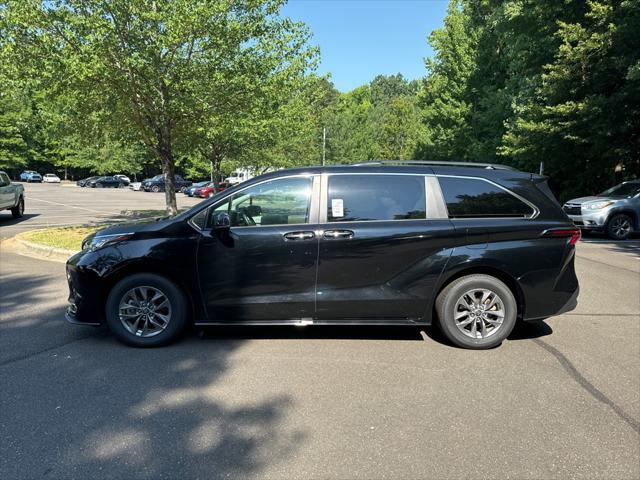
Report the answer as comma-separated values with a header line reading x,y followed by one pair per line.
x,y
479,313
621,226
144,311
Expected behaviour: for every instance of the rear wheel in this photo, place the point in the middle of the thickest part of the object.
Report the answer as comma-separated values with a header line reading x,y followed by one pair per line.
x,y
146,310
476,311
18,210
620,226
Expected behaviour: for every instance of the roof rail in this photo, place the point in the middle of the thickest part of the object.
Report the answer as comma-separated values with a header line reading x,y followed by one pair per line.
x,y
490,166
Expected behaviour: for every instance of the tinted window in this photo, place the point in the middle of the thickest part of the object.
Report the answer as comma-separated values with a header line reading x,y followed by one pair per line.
x,y
375,197
278,202
467,198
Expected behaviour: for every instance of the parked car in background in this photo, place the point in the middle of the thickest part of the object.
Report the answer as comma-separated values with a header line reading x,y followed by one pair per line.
x,y
104,182
473,247
11,196
135,186
210,189
189,190
123,179
30,176
84,181
615,211
156,184
50,178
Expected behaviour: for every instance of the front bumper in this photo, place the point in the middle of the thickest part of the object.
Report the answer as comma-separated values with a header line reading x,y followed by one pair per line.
x,y
591,220
86,296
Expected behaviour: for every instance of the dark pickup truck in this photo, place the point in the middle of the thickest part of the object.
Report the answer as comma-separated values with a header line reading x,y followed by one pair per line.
x,y
156,184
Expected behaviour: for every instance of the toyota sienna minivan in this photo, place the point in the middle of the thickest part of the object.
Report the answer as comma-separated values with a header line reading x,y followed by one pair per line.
x,y
473,247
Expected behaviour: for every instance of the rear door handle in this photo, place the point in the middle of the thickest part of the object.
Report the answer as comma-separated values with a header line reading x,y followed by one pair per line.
x,y
336,234
299,235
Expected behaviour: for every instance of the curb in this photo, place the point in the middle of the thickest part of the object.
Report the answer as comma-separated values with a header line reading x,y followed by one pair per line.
x,y
42,251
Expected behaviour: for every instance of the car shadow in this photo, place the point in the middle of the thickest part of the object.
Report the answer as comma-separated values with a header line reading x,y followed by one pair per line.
x,y
521,331
631,246
7,219
311,332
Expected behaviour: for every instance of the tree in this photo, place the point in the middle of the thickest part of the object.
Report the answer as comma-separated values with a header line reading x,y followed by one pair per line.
x,y
159,68
444,94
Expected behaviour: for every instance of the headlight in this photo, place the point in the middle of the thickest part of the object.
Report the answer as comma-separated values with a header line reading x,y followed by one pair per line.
x,y
93,243
599,205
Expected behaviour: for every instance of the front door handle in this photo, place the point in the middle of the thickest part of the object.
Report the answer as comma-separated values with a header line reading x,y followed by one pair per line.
x,y
299,235
335,234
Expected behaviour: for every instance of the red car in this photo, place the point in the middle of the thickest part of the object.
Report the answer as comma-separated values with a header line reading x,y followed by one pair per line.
x,y
210,189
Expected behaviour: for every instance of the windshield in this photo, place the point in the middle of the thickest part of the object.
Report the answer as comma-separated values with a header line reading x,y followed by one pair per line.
x,y
624,190
158,177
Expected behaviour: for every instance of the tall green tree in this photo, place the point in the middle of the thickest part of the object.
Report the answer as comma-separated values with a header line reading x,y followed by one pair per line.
x,y
444,94
160,67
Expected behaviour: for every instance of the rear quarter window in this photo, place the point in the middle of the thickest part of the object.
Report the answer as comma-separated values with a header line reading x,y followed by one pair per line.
x,y
477,198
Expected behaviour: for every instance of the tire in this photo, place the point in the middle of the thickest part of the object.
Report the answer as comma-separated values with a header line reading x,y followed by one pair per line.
x,y
620,226
459,294
211,194
155,189
153,337
18,210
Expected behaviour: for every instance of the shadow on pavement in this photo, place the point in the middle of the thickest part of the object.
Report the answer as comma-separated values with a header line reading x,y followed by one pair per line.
x,y
628,246
7,219
521,331
312,332
77,404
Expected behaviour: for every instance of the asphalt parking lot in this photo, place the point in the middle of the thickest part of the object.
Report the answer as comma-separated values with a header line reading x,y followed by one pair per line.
x,y
53,205
559,399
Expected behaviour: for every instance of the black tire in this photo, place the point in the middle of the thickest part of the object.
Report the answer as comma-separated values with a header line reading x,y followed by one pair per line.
x,y
620,226
446,307
176,298
18,210
155,189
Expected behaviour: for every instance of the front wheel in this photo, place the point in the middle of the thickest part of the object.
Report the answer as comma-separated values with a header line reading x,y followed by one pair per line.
x,y
146,310
476,311
155,189
620,226
18,210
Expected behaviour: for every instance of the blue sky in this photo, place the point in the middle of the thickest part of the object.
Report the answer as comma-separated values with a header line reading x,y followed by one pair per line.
x,y
360,39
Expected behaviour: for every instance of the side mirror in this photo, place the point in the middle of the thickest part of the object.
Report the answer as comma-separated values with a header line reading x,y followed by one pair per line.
x,y
221,221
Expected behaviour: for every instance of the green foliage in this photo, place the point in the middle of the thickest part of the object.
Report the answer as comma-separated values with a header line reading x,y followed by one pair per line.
x,y
178,75
531,81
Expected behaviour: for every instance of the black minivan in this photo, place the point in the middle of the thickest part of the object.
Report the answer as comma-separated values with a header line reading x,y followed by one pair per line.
x,y
473,247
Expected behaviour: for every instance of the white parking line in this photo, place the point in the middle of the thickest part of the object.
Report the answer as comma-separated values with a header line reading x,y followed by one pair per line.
x,y
70,206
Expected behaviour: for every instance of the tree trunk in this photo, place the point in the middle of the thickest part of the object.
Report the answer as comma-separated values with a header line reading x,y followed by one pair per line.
x,y
169,170
216,162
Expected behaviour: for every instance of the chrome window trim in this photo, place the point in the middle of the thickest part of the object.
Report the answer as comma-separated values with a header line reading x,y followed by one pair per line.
x,y
312,208
535,209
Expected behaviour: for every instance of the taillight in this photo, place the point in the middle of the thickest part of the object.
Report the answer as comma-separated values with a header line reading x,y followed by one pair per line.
x,y
572,233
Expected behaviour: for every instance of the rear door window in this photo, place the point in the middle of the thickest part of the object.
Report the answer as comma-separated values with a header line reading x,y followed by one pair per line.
x,y
356,198
477,198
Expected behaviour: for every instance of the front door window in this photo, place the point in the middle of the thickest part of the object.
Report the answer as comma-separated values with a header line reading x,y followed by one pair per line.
x,y
285,201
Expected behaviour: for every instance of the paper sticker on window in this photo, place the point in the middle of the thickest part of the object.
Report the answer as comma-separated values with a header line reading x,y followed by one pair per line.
x,y
337,207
